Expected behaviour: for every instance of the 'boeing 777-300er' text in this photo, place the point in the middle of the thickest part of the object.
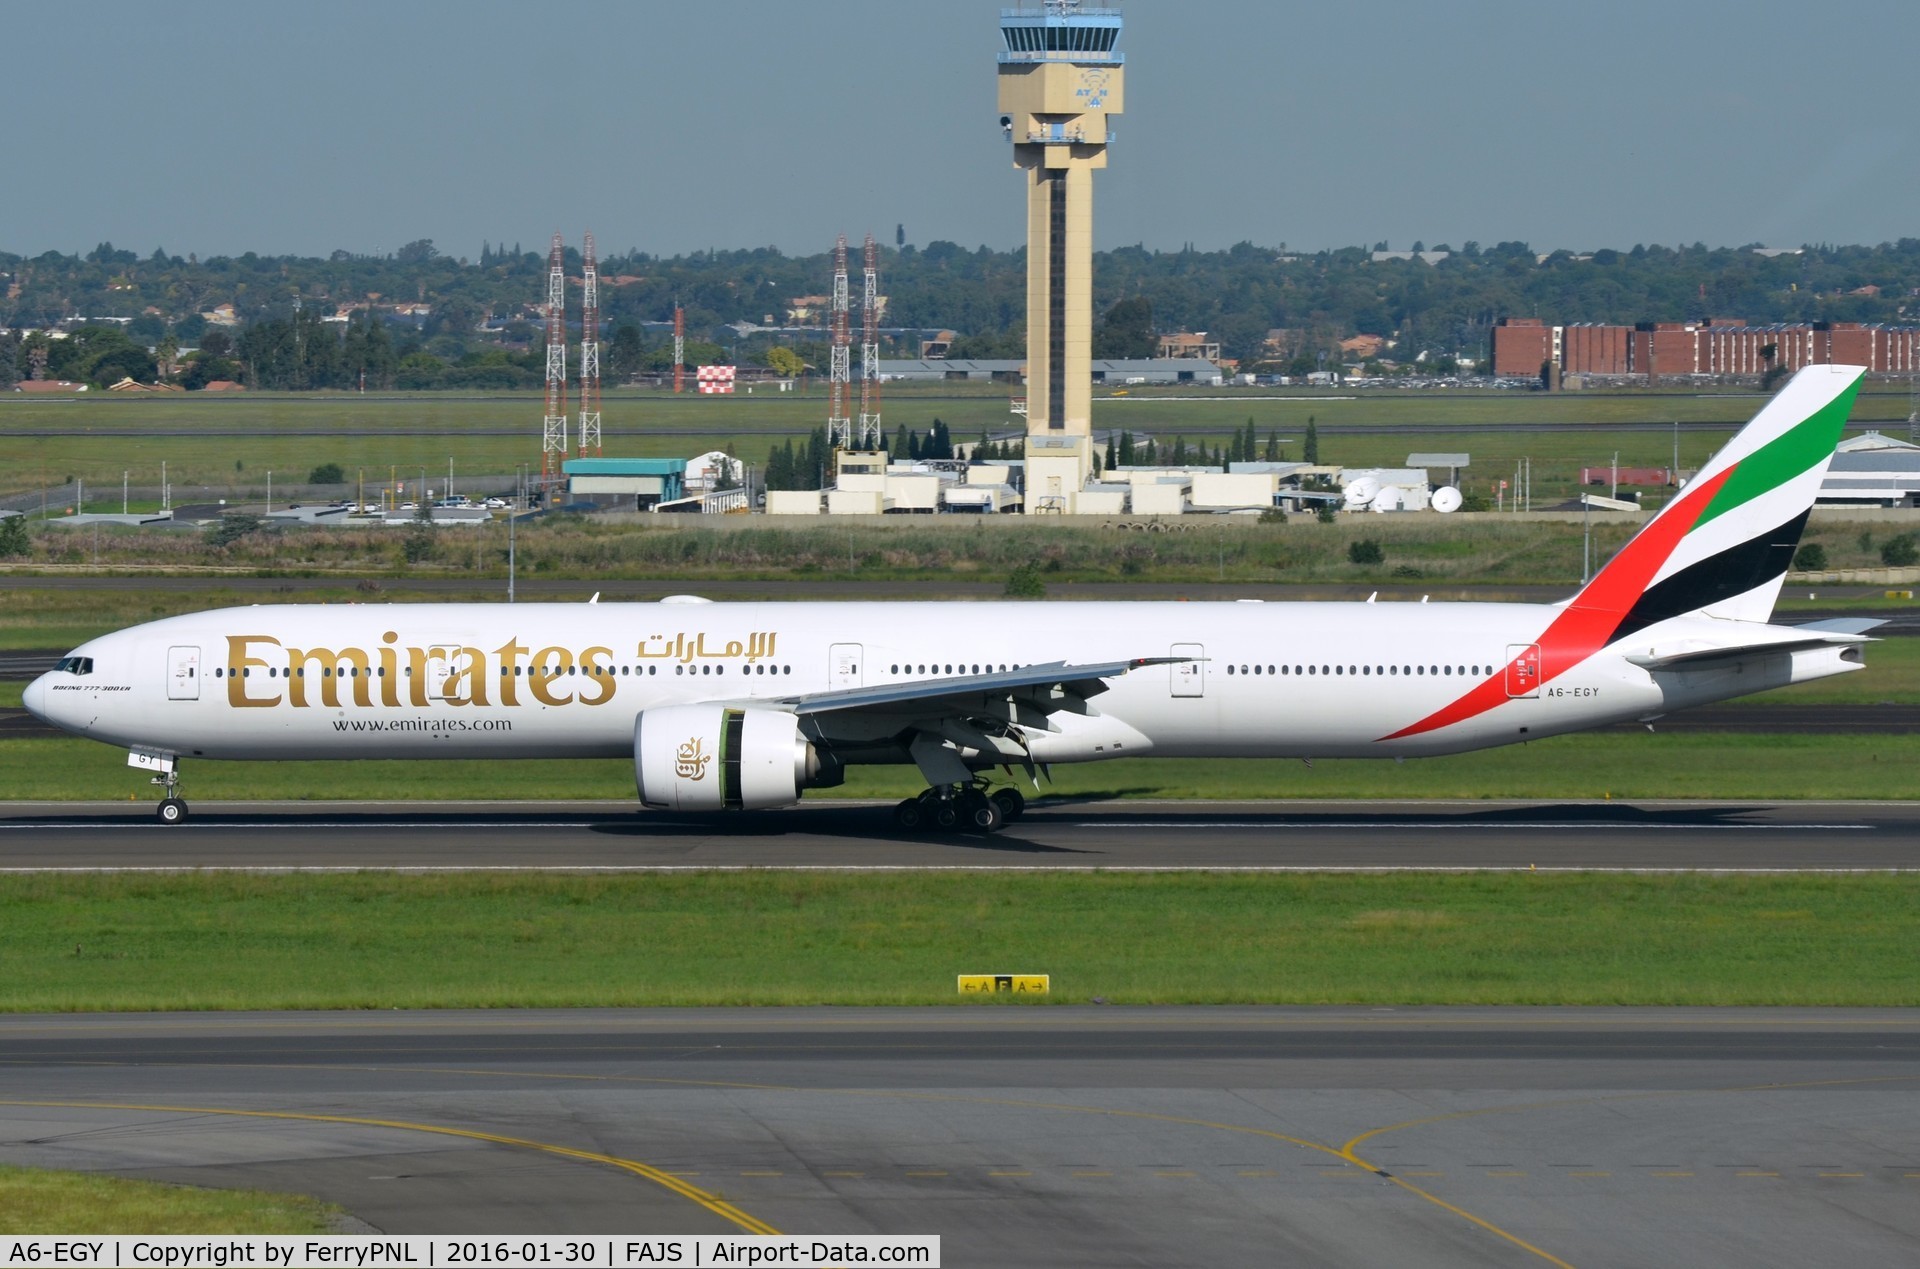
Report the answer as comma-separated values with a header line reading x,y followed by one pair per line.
x,y
744,706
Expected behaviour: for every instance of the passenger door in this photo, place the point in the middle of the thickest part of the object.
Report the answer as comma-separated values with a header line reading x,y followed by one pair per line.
x,y
183,674
1523,670
1189,677
843,665
442,664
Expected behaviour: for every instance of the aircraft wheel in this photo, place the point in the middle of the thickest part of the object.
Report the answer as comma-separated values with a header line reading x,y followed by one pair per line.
x,y
946,815
910,815
172,811
1012,805
984,816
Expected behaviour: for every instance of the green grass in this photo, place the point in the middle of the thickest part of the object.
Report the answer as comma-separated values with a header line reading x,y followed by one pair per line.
x,y
97,438
1629,764
373,940
36,1201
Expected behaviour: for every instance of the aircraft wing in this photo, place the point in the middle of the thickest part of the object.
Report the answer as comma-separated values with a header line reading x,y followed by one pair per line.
x,y
964,690
947,723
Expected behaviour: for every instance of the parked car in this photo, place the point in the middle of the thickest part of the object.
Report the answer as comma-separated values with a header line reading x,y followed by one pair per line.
x,y
496,504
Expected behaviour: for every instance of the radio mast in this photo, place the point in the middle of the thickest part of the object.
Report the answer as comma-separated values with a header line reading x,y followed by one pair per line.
x,y
553,444
871,432
589,352
839,379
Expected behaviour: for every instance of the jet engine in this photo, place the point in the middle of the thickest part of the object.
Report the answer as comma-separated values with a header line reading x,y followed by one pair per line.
x,y
713,758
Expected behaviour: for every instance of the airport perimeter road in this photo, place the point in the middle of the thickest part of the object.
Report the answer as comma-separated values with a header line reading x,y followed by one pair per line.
x,y
1033,1136
1262,835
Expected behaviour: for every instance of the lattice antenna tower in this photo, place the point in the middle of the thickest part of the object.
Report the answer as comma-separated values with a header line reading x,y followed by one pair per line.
x,y
589,351
839,378
870,429
553,443
679,346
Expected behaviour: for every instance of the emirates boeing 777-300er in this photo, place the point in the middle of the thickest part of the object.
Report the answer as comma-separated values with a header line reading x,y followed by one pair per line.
x,y
744,706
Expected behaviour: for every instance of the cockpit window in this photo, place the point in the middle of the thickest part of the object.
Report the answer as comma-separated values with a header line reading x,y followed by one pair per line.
x,y
75,665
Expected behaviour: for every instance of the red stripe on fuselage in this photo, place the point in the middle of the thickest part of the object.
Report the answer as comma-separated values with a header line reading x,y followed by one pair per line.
x,y
1587,624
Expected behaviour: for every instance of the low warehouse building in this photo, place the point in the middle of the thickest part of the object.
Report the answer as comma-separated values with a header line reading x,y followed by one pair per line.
x,y
626,484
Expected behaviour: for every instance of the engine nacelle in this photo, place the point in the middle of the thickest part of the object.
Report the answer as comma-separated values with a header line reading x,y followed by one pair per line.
x,y
712,758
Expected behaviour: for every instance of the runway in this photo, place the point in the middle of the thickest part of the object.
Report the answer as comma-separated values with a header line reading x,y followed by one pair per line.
x,y
1032,1136
1650,836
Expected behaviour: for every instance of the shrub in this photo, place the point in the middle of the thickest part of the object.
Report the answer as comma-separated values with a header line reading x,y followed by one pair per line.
x,y
1325,515
1899,552
1365,551
13,536
417,544
1273,515
327,474
1024,583
232,528
1811,558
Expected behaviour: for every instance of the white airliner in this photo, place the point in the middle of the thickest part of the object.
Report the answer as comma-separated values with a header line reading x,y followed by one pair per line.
x,y
743,706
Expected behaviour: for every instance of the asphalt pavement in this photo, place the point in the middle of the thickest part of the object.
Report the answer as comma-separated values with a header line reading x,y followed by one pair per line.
x,y
1654,836
1032,1136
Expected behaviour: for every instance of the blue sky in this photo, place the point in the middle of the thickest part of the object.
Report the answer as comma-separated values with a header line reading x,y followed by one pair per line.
x,y
220,128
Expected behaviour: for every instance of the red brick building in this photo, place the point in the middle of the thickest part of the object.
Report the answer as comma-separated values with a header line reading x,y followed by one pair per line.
x,y
1716,347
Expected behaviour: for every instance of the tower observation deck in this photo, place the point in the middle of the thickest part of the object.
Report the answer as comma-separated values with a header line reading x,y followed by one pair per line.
x,y
1060,81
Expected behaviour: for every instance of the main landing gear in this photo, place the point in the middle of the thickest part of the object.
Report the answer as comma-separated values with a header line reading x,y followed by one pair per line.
x,y
960,808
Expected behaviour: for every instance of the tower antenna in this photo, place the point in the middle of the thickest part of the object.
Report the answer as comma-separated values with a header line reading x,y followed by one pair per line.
x,y
839,384
679,346
870,429
553,444
589,352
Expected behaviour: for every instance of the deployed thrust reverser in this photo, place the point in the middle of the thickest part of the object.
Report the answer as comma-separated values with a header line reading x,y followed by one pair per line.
x,y
716,758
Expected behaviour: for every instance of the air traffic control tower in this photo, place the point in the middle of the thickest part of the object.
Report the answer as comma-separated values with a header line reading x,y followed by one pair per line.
x,y
1060,79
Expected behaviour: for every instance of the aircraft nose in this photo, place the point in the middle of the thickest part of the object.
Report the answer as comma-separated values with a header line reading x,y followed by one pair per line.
x,y
35,698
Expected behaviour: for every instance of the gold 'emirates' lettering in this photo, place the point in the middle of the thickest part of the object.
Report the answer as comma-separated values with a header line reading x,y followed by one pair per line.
x,y
510,653
467,685
240,663
550,665
329,668
262,672
597,665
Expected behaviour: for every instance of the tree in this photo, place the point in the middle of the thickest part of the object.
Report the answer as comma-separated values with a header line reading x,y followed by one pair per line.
x,y
1126,449
785,362
327,474
1365,551
13,537
1310,447
1273,447
1126,330
1899,552
1811,558
626,357
1113,451
779,474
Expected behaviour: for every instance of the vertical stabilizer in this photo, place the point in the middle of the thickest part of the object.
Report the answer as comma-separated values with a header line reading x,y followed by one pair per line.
x,y
1723,545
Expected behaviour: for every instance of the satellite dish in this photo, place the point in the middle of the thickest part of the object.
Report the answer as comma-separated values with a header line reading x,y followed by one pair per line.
x,y
1361,491
1388,499
1446,500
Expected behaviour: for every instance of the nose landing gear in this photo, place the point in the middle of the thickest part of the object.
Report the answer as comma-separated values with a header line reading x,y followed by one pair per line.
x,y
960,808
172,808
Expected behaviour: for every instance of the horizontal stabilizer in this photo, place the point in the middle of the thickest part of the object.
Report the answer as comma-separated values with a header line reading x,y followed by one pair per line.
x,y
1844,625
1713,658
